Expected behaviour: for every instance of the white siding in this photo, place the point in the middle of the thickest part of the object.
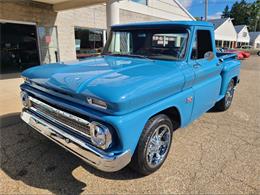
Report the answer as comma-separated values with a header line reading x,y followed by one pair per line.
x,y
243,36
226,32
161,9
256,43
169,6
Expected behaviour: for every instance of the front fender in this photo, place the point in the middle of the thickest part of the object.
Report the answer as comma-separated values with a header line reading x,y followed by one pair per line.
x,y
130,126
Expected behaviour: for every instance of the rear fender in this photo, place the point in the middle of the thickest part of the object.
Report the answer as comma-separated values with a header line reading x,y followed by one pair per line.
x,y
231,69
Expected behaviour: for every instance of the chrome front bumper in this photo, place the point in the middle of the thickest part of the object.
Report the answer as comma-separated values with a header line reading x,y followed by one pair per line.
x,y
108,162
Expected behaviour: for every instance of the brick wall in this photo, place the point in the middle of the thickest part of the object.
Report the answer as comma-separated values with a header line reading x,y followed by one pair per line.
x,y
27,11
89,17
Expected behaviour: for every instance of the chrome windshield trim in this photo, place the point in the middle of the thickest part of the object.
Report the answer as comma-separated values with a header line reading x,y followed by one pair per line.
x,y
59,112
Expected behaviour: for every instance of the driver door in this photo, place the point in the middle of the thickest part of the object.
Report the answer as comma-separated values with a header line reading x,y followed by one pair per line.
x,y
207,71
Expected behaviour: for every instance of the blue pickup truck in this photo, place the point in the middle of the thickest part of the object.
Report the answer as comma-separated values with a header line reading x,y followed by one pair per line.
x,y
123,106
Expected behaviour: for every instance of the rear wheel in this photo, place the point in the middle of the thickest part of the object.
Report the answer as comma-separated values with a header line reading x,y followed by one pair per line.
x,y
258,53
225,103
153,146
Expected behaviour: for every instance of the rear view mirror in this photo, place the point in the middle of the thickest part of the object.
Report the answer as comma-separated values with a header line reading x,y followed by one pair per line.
x,y
209,55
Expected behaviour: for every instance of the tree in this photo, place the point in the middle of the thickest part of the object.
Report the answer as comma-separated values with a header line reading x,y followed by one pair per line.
x,y
244,13
254,24
240,12
226,12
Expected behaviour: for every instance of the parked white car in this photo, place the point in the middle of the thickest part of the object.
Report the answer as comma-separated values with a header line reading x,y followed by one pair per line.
x,y
246,47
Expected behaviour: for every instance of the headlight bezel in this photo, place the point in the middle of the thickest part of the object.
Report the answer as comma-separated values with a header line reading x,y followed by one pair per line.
x,y
96,131
26,80
25,99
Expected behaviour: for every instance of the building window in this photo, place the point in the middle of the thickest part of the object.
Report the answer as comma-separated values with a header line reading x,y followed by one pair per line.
x,y
18,48
89,42
144,2
244,34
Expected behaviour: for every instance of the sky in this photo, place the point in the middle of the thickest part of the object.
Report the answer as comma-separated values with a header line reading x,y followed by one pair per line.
x,y
196,7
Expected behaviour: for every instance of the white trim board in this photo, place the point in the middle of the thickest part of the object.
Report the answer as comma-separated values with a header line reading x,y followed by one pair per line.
x,y
17,22
183,8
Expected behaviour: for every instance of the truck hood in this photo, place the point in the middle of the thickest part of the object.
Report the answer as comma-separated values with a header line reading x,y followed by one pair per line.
x,y
124,83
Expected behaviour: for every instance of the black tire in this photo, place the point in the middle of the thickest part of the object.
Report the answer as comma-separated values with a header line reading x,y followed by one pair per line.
x,y
140,160
225,103
258,53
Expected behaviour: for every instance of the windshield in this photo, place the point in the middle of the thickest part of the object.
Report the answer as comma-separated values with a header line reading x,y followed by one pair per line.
x,y
164,44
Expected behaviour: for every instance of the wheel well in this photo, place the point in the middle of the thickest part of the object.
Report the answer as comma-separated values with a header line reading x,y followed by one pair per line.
x,y
174,116
235,80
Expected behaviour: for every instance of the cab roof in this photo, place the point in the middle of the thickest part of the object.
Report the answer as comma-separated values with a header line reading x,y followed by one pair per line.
x,y
161,24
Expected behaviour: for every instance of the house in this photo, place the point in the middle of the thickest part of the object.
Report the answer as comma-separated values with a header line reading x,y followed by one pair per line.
x,y
243,37
255,39
45,31
225,33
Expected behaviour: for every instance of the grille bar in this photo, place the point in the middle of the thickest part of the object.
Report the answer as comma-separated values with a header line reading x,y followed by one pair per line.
x,y
60,117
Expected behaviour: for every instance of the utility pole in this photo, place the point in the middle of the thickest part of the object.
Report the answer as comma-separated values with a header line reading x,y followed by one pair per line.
x,y
256,22
206,10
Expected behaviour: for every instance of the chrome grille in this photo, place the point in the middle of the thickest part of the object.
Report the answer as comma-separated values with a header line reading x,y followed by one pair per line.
x,y
61,117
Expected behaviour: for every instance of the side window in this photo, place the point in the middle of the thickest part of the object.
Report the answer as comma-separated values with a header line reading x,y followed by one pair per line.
x,y
201,45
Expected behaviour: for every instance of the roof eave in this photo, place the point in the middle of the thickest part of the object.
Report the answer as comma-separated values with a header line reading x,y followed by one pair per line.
x,y
184,9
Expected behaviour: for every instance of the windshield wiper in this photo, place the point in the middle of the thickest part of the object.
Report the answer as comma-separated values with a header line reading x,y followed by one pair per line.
x,y
128,55
138,56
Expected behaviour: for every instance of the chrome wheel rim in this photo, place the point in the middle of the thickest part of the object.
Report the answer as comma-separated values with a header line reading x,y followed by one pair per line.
x,y
229,95
158,146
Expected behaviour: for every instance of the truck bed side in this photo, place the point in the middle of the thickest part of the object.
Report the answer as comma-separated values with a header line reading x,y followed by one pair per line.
x,y
231,70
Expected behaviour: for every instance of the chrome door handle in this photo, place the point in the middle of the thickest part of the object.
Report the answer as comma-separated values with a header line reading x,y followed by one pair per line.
x,y
196,65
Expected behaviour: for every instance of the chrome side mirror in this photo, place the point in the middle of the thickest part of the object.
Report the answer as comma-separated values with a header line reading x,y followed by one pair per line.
x,y
209,55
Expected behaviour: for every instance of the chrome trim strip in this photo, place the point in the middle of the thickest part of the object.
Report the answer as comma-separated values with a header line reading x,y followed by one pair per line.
x,y
59,112
108,162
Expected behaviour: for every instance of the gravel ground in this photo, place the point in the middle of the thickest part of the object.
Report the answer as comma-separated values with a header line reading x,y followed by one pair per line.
x,y
217,154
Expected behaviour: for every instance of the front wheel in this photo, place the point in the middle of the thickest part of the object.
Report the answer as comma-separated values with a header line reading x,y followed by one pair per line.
x,y
258,53
225,103
153,146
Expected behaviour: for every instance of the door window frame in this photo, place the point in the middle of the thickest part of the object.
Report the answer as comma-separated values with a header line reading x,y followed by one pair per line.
x,y
194,34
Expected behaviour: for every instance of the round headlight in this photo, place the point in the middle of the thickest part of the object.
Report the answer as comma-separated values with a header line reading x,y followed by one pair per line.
x,y
100,135
25,99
